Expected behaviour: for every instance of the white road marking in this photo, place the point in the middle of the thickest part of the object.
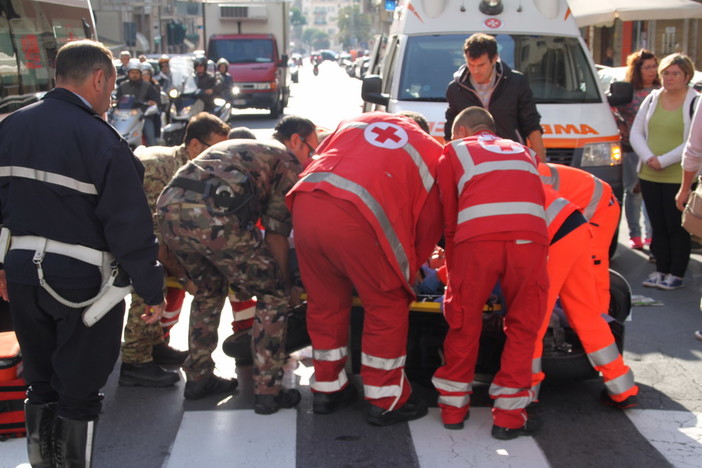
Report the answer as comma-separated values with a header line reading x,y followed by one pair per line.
x,y
14,453
677,435
235,438
471,447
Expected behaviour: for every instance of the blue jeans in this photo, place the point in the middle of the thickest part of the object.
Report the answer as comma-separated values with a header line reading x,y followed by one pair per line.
x,y
634,208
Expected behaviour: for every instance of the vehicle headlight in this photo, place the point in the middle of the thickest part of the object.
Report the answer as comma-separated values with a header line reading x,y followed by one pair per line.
x,y
219,102
185,110
173,93
601,154
236,90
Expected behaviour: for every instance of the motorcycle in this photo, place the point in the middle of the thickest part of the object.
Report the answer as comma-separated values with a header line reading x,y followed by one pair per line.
x,y
315,69
185,104
127,117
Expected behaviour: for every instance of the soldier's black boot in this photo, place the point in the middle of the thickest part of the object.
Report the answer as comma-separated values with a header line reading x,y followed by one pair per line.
x,y
39,421
73,443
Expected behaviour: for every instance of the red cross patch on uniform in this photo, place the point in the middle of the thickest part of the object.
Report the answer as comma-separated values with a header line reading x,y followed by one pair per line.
x,y
385,135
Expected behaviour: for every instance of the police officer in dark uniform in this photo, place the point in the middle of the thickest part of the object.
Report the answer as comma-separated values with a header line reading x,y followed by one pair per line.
x,y
68,198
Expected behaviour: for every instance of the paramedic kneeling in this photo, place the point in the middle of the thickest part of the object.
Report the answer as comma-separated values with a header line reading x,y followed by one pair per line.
x,y
495,230
73,202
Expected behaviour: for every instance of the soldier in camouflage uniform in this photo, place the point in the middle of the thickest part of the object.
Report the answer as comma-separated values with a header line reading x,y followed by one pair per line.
x,y
207,216
144,347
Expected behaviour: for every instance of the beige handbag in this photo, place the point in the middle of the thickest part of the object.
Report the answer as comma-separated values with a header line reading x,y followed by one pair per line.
x,y
692,214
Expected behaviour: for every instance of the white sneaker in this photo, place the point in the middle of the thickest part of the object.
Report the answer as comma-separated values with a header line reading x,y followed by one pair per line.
x,y
654,280
671,282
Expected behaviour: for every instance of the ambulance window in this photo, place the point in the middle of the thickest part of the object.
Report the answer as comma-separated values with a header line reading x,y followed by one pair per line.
x,y
389,63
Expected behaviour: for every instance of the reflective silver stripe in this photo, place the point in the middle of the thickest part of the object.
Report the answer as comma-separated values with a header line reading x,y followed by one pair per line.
x,y
424,173
49,177
374,207
554,209
330,386
89,438
496,209
457,401
509,403
374,393
355,125
382,363
621,384
595,199
466,160
244,314
330,354
604,356
553,180
536,366
496,390
451,385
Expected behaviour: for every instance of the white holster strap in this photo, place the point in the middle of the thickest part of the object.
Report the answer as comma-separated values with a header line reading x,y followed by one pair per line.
x,y
42,245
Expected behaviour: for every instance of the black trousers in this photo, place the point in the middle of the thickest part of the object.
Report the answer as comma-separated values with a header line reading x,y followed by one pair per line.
x,y
671,242
64,361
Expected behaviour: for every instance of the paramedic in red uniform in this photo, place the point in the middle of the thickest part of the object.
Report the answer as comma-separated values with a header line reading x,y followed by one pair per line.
x,y
366,215
495,230
595,199
571,276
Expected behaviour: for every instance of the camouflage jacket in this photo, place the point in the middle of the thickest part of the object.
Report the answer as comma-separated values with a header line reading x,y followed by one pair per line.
x,y
271,168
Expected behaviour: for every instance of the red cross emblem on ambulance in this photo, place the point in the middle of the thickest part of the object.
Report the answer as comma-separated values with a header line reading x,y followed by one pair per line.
x,y
385,135
493,23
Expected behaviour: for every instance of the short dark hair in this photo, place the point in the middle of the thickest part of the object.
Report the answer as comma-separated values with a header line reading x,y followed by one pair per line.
x,y
291,124
474,118
77,60
203,125
480,44
241,132
418,118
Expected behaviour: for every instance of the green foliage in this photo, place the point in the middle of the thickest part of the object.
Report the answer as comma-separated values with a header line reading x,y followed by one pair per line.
x,y
354,28
316,38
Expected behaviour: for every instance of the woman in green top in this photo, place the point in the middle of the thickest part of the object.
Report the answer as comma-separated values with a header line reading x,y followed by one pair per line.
x,y
658,136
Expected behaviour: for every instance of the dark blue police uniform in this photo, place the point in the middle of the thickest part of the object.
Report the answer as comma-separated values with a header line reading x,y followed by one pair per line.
x,y
66,175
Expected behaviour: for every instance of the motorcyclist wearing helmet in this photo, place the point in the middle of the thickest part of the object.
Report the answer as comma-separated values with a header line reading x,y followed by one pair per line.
x,y
224,80
136,86
206,83
152,122
164,76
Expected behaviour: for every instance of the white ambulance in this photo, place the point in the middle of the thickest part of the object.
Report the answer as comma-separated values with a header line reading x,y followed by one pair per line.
x,y
539,38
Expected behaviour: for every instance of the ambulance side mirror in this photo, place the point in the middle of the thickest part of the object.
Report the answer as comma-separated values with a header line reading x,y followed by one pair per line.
x,y
620,93
371,90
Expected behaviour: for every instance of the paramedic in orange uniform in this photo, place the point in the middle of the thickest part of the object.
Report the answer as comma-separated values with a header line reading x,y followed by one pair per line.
x,y
366,215
595,199
571,276
495,231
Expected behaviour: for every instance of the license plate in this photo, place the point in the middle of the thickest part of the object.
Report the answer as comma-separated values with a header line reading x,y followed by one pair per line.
x,y
239,102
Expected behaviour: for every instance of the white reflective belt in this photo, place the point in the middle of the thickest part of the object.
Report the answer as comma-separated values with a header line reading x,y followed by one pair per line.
x,y
79,252
621,384
375,208
49,177
457,401
604,356
330,355
374,393
497,209
595,199
554,209
330,386
382,363
451,385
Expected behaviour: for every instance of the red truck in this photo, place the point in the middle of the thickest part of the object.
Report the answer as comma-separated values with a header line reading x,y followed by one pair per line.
x,y
253,37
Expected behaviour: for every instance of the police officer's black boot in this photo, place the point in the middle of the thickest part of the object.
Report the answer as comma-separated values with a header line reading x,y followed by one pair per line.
x,y
74,443
40,420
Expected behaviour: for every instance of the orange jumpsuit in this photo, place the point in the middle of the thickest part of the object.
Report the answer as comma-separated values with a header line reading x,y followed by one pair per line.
x,y
570,272
595,199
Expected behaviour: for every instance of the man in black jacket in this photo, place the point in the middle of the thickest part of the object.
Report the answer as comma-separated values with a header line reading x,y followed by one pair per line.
x,y
71,196
489,83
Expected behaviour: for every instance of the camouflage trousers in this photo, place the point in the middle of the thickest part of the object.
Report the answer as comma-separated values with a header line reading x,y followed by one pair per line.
x,y
217,253
139,337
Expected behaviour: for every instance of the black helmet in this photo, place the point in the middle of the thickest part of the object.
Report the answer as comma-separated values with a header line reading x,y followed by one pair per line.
x,y
201,60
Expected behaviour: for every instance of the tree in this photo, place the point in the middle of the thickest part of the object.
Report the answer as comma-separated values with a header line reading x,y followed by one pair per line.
x,y
354,28
316,38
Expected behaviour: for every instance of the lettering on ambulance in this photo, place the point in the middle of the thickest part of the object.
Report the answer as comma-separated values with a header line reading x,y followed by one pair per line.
x,y
568,129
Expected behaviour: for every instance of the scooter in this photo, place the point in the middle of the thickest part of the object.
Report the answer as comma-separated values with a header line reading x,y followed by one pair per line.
x,y
185,104
127,117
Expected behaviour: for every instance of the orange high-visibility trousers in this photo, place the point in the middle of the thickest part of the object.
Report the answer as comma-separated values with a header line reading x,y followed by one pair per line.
x,y
603,224
570,272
